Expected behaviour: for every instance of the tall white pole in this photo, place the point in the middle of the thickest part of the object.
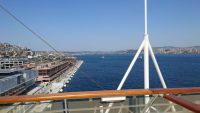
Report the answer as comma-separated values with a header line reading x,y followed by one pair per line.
x,y
146,53
145,18
147,48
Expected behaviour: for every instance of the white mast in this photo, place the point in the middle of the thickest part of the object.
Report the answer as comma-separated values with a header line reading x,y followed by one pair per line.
x,y
146,52
147,48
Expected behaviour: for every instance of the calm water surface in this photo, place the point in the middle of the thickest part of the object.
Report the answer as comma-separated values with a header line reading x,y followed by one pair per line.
x,y
97,73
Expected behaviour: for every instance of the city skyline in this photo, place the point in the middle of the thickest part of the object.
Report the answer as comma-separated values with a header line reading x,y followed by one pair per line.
x,y
101,25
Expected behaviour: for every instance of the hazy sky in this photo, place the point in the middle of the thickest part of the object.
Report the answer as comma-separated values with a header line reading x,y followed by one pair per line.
x,y
74,25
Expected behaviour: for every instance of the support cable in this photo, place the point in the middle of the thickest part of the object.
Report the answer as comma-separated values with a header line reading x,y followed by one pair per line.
x,y
29,29
44,41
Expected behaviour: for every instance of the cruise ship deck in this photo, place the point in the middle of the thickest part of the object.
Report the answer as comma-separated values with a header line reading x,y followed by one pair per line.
x,y
147,100
171,100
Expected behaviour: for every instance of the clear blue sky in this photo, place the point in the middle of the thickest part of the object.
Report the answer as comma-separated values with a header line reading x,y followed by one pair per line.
x,y
75,25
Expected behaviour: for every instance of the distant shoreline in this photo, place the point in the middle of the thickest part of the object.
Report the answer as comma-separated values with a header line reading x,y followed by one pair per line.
x,y
193,50
78,54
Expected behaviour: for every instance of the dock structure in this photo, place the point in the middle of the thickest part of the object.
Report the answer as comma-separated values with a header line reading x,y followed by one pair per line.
x,y
62,81
16,81
55,85
8,63
49,71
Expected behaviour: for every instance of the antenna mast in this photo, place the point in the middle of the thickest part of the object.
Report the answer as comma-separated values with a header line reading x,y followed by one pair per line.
x,y
147,50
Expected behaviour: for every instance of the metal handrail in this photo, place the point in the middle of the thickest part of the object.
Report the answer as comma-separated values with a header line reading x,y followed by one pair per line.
x,y
96,94
184,103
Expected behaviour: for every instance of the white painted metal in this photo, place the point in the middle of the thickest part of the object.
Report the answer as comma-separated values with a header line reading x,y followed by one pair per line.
x,y
146,53
157,67
131,66
110,105
101,110
148,105
113,99
146,64
147,48
128,71
65,105
145,18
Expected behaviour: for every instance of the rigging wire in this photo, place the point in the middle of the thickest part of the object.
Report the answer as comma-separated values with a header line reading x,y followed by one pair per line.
x,y
29,29
46,42
93,81
90,79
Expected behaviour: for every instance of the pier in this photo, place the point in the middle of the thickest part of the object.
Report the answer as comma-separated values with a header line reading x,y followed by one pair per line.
x,y
54,86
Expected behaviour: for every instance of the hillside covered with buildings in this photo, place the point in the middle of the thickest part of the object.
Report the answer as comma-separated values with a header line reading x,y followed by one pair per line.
x,y
23,70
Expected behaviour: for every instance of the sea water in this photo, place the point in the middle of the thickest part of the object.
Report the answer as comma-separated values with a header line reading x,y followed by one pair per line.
x,y
104,72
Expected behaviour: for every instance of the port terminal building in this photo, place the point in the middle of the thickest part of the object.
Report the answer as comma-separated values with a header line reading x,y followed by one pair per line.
x,y
16,81
7,63
49,71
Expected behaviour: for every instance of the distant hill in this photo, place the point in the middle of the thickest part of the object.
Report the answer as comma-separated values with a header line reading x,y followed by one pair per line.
x,y
177,50
9,50
157,50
